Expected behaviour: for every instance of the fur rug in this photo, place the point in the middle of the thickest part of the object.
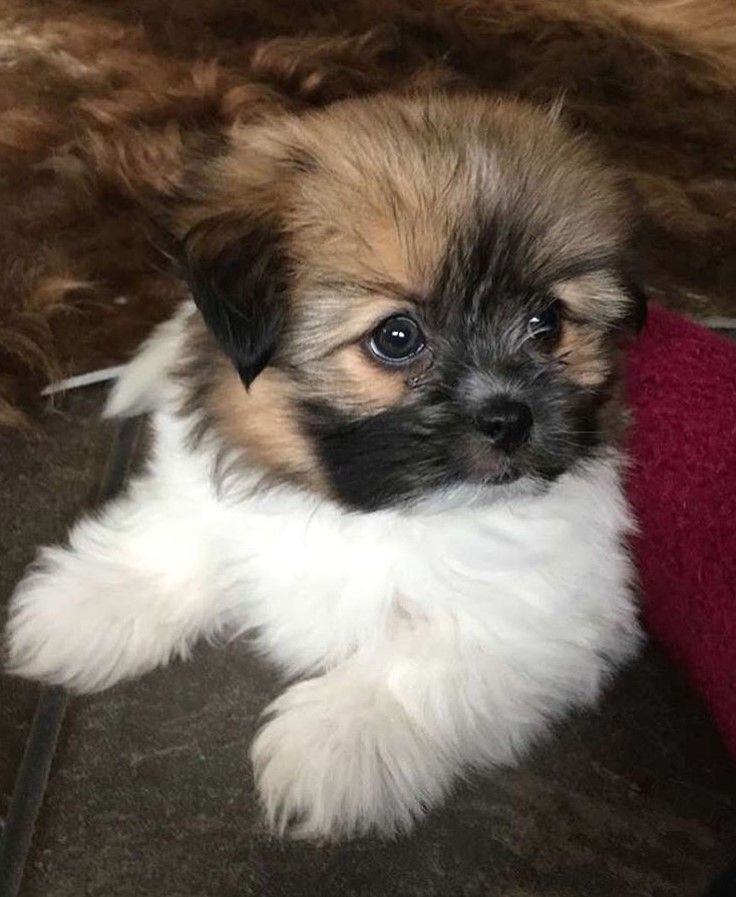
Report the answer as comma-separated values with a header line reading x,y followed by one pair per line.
x,y
102,102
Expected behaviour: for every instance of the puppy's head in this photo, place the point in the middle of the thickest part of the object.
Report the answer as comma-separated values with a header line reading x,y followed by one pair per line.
x,y
406,294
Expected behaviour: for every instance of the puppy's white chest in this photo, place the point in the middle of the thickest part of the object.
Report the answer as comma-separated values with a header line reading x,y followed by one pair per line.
x,y
318,584
314,585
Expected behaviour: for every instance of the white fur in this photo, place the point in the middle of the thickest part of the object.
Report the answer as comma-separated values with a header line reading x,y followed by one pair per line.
x,y
142,387
437,640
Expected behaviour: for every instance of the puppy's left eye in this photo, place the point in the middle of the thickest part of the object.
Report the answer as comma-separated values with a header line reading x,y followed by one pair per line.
x,y
545,322
397,340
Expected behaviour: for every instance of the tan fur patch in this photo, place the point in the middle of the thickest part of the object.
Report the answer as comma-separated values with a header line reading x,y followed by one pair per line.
x,y
585,355
262,422
360,384
595,297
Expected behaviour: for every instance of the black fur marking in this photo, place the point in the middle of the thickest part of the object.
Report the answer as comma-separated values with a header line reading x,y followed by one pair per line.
x,y
241,294
498,260
381,460
397,456
637,317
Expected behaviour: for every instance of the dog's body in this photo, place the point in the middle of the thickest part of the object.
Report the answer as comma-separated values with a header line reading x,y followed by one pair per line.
x,y
447,568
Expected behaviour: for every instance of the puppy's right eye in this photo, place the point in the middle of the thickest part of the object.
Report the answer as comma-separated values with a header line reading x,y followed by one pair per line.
x,y
397,340
545,323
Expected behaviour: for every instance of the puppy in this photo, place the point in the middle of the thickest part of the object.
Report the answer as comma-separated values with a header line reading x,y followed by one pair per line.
x,y
384,446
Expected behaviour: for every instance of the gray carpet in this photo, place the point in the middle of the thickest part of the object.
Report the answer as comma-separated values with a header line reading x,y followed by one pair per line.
x,y
151,792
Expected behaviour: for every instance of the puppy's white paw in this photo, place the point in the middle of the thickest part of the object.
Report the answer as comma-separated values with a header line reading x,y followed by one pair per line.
x,y
76,622
340,757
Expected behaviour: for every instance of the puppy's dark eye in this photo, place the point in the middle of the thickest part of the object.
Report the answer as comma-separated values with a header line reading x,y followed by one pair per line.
x,y
545,322
397,340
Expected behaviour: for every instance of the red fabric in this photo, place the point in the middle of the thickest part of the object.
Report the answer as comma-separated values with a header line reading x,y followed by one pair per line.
x,y
682,485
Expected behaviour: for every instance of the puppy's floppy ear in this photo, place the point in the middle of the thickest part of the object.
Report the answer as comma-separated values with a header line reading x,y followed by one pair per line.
x,y
239,283
637,315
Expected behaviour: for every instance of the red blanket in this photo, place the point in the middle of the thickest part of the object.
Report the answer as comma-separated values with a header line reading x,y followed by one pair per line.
x,y
682,484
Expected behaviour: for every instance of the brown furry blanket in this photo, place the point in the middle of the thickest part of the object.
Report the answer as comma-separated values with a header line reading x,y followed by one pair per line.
x,y
101,102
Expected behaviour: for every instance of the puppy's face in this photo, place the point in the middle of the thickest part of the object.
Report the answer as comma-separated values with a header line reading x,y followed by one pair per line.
x,y
403,295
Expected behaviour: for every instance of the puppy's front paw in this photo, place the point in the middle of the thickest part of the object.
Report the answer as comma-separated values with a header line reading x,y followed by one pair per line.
x,y
341,758
74,622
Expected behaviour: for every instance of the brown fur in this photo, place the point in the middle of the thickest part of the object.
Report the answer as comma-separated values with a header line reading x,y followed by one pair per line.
x,y
581,347
261,424
101,108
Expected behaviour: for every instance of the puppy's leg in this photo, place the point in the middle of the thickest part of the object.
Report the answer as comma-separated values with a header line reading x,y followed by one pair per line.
x,y
133,588
377,740
342,757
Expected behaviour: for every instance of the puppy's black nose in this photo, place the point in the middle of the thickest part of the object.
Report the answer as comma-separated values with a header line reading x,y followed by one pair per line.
x,y
506,423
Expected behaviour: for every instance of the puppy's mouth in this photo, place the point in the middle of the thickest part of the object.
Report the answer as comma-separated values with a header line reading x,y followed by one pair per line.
x,y
482,463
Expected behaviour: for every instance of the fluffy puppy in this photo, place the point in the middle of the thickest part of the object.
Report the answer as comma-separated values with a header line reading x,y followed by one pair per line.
x,y
384,445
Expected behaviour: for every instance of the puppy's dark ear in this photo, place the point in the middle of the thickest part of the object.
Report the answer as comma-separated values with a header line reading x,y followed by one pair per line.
x,y
637,315
240,289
